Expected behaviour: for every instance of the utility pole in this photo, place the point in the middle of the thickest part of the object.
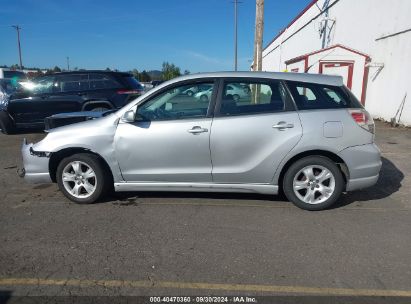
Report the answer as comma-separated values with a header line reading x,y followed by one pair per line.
x,y
258,37
236,2
68,63
18,28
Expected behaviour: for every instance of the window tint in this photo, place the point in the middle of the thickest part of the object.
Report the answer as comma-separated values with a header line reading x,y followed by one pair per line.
x,y
241,98
103,81
71,83
176,104
315,96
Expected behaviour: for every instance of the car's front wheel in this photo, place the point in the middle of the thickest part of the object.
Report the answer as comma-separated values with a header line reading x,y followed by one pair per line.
x,y
313,183
81,178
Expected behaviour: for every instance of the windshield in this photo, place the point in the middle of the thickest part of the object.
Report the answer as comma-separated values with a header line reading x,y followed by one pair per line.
x,y
40,85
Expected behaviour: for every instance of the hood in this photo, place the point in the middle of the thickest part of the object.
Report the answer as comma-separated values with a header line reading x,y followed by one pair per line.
x,y
85,126
88,135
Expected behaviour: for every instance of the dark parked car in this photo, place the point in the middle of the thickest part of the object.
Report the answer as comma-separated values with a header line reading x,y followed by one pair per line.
x,y
67,92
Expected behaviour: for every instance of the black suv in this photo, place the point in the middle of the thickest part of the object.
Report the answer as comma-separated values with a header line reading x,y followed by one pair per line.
x,y
67,92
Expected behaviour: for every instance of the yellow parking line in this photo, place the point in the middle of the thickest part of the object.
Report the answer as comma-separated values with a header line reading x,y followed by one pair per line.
x,y
207,286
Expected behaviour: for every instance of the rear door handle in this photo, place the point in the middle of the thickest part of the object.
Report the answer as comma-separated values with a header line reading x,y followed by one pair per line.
x,y
197,130
282,125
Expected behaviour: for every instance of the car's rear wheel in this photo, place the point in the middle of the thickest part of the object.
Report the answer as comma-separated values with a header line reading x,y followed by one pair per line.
x,y
190,93
313,183
204,98
236,97
6,124
82,179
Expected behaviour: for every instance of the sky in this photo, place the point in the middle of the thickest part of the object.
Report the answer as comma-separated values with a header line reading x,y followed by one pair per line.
x,y
196,35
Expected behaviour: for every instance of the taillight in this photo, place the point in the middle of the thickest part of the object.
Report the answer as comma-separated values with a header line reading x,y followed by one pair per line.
x,y
128,92
363,119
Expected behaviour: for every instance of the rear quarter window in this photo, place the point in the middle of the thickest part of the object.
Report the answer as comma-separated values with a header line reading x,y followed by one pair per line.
x,y
310,96
132,83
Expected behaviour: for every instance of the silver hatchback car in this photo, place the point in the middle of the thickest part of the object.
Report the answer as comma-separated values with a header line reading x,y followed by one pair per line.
x,y
303,134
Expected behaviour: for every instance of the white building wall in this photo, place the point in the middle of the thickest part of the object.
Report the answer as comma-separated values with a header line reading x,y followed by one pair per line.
x,y
358,23
387,87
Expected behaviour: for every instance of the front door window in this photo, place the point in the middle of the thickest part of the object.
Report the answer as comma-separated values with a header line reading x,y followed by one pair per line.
x,y
175,103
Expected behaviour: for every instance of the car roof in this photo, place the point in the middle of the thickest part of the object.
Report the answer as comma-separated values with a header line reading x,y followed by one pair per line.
x,y
93,72
300,77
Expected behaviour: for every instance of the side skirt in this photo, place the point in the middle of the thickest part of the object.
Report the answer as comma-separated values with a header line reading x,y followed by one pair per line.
x,y
197,187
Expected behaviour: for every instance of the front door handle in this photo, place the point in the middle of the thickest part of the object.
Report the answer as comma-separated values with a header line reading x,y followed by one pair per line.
x,y
197,130
282,125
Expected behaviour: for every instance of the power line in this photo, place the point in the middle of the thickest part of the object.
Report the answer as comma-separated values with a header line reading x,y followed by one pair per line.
x,y
18,28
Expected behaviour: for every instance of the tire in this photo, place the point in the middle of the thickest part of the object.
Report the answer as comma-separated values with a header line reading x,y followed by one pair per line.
x,y
236,97
204,98
98,180
99,109
6,124
313,183
190,93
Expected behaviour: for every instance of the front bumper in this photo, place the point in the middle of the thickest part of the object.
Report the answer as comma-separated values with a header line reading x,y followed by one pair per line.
x,y
35,165
364,165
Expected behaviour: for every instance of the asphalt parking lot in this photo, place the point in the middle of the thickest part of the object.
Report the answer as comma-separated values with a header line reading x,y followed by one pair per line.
x,y
197,244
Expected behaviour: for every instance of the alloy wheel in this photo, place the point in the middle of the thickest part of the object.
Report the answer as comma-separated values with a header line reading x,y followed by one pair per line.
x,y
314,184
79,179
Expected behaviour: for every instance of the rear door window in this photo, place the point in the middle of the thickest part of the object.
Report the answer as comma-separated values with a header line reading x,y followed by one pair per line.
x,y
251,97
309,96
71,83
103,82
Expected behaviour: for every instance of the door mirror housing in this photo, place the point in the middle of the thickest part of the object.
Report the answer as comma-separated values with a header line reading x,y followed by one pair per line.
x,y
129,116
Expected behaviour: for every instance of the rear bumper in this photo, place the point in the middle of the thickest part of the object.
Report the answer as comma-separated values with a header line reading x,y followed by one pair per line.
x,y
364,165
35,165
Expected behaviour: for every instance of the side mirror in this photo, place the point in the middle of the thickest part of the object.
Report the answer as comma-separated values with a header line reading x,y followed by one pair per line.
x,y
129,116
